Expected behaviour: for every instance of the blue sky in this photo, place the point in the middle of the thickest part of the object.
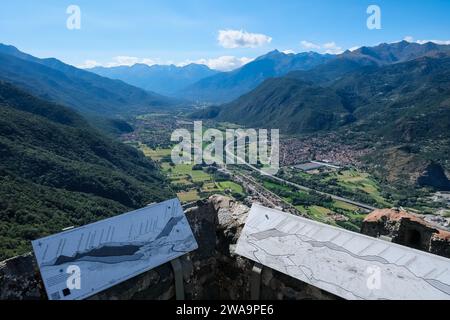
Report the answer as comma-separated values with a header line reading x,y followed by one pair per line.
x,y
181,31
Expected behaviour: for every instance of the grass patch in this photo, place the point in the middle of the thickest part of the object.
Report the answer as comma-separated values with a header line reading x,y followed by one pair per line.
x,y
303,175
182,182
210,187
188,196
359,181
151,116
344,206
272,186
446,214
302,209
230,185
320,214
185,172
154,154
180,174
318,211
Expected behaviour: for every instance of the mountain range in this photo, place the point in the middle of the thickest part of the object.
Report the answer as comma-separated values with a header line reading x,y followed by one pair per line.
x,y
164,79
397,94
198,83
336,98
89,93
381,55
227,86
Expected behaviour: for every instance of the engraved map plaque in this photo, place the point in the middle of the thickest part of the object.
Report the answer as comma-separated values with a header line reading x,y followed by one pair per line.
x,y
344,263
111,251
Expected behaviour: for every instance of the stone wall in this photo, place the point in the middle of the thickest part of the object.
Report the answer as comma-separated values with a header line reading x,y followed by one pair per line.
x,y
211,272
407,229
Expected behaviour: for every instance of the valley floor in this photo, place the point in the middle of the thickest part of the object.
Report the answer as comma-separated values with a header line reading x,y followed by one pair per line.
x,y
349,179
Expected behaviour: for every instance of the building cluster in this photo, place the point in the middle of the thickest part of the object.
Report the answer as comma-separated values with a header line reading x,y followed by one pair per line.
x,y
294,151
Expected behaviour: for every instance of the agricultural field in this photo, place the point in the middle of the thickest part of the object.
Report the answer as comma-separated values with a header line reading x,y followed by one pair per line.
x,y
344,206
230,185
318,212
359,181
349,183
185,171
319,208
273,185
210,187
154,154
152,116
188,196
189,184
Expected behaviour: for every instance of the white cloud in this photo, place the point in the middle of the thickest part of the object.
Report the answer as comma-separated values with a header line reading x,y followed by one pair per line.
x,y
129,61
116,62
411,39
329,47
289,51
89,64
223,63
445,42
124,61
232,39
309,45
332,48
354,48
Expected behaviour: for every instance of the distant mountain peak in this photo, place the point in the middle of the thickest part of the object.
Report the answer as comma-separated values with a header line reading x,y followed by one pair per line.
x,y
271,54
275,51
164,79
387,53
227,86
7,47
195,66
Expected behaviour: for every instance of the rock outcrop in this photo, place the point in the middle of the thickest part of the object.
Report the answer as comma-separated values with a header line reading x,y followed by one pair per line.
x,y
434,176
213,271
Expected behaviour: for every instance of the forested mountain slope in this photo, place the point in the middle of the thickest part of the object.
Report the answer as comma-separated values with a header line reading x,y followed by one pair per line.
x,y
57,171
86,92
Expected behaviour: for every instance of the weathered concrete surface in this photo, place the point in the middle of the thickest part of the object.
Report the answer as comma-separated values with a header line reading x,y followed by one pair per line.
x,y
211,272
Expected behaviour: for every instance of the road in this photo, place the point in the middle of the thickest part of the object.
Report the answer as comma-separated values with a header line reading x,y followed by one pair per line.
x,y
300,187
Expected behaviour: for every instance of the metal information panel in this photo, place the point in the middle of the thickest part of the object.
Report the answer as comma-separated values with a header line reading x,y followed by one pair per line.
x,y
344,263
78,263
